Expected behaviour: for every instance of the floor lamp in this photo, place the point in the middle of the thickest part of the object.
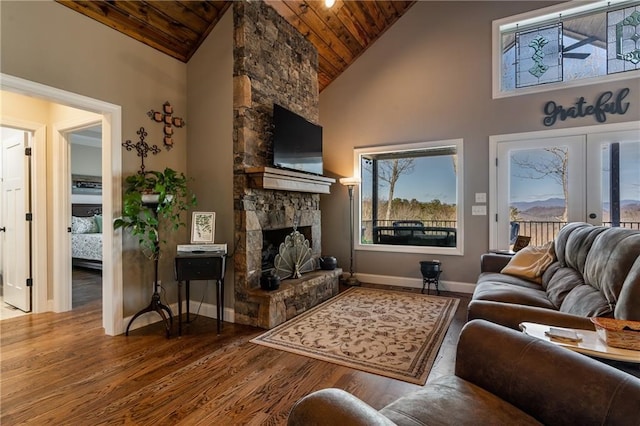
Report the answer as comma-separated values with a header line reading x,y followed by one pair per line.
x,y
350,183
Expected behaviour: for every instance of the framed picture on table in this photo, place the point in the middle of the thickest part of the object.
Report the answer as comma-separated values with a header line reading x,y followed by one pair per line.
x,y
521,242
203,227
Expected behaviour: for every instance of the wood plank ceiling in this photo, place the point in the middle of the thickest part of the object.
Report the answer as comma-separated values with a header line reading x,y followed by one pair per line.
x,y
341,33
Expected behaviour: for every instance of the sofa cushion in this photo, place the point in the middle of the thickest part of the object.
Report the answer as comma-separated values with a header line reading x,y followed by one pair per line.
x,y
610,265
451,400
578,239
586,301
509,293
560,283
496,277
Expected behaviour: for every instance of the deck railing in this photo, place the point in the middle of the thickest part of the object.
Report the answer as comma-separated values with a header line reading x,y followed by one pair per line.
x,y
543,232
540,232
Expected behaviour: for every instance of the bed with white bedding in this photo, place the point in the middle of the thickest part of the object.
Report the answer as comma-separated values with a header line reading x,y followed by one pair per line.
x,y
86,235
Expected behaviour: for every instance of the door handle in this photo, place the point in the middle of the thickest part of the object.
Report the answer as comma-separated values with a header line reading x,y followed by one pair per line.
x,y
69,229
592,216
3,229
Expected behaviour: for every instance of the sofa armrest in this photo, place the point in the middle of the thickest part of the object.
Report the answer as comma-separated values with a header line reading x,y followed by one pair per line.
x,y
511,315
549,382
493,262
334,407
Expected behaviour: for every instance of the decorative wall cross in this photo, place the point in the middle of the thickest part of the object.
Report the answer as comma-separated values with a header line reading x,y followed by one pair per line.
x,y
141,147
166,116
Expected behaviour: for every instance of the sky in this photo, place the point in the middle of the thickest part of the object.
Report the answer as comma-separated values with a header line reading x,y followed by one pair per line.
x,y
432,178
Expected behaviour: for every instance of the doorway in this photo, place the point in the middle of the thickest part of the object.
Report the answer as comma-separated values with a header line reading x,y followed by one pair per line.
x,y
541,181
46,295
85,166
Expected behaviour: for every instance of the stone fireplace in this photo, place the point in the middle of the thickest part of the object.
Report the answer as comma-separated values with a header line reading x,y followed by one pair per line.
x,y
273,63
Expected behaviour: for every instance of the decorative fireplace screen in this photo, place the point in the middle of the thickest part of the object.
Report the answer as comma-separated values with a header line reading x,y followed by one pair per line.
x,y
294,256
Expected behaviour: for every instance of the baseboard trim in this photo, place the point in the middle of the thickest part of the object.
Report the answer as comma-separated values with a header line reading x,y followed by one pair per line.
x,y
209,310
455,286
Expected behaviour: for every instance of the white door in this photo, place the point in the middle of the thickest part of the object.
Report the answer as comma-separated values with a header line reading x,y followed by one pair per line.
x,y
15,204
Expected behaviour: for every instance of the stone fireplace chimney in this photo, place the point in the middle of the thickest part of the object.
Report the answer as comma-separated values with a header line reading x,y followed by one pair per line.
x,y
273,63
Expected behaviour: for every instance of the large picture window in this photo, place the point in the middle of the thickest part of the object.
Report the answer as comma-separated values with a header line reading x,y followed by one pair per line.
x,y
410,197
567,45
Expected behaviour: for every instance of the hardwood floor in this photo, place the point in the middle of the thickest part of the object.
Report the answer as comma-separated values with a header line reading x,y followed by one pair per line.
x,y
87,286
61,369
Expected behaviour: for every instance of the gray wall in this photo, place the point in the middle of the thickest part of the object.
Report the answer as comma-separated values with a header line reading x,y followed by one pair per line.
x,y
86,160
210,127
429,78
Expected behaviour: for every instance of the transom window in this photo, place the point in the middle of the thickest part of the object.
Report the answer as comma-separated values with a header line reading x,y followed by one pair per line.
x,y
410,197
567,45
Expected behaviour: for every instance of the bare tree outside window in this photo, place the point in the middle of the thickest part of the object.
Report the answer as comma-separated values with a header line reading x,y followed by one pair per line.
x,y
554,166
390,172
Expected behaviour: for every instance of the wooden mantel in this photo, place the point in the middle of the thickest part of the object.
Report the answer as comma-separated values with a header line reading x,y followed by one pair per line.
x,y
287,180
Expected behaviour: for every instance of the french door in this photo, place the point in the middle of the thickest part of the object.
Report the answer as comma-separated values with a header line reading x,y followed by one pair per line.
x,y
545,181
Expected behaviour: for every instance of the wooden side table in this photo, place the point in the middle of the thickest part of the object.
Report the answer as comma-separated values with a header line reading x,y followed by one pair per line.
x,y
200,266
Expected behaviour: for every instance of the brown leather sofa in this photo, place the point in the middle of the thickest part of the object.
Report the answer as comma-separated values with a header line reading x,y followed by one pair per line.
x,y
596,273
502,377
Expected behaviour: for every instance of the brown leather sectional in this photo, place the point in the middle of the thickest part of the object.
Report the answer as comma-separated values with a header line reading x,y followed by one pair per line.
x,y
597,273
502,377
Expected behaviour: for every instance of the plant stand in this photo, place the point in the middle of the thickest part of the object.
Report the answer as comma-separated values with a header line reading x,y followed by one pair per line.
x,y
156,305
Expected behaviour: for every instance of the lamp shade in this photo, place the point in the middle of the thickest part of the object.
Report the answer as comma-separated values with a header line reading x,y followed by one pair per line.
x,y
350,181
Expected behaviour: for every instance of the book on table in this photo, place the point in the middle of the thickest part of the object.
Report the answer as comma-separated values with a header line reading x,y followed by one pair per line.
x,y
202,248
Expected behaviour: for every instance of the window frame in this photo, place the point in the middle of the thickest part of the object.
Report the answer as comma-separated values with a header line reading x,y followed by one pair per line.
x,y
363,151
542,16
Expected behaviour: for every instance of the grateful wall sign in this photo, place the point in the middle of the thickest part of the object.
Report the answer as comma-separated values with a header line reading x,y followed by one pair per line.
x,y
605,104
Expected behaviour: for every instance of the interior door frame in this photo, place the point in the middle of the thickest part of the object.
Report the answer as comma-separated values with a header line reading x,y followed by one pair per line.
x,y
62,271
494,241
112,292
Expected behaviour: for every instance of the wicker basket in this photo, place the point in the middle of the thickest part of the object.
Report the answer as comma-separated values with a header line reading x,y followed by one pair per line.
x,y
612,332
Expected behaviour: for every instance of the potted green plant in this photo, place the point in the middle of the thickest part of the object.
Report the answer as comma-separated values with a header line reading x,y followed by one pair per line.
x,y
150,199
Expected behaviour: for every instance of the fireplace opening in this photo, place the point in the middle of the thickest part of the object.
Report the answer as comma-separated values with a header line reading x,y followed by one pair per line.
x,y
271,241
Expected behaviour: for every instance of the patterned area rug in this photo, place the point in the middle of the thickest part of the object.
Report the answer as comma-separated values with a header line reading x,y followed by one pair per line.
x,y
390,333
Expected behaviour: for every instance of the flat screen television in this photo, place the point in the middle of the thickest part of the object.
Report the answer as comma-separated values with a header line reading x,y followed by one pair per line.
x,y
297,143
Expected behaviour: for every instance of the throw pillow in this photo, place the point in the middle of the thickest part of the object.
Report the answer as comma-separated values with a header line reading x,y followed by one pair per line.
x,y
531,262
83,225
98,219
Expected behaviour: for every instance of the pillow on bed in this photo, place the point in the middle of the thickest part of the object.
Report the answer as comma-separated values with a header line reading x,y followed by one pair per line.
x,y
98,219
83,225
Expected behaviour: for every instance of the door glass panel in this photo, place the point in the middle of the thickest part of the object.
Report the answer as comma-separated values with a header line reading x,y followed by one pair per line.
x,y
538,193
620,184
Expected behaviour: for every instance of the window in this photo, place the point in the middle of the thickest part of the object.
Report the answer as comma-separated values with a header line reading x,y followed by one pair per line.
x,y
410,198
567,45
